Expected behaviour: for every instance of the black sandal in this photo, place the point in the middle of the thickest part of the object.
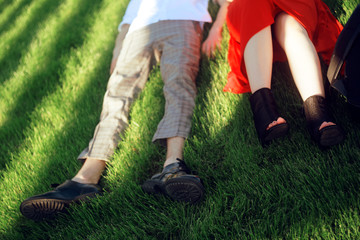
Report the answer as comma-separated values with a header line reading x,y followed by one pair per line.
x,y
265,112
316,112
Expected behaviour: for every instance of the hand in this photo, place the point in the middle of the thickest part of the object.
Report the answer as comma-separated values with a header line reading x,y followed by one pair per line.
x,y
212,43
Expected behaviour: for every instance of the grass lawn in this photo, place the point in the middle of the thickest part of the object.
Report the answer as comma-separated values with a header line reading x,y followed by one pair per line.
x,y
54,67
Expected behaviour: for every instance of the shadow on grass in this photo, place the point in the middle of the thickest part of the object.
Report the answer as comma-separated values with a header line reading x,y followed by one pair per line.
x,y
133,169
342,9
4,5
18,11
336,8
45,82
56,161
19,44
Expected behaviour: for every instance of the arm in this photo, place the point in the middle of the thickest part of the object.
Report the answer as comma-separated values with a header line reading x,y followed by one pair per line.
x,y
118,45
214,38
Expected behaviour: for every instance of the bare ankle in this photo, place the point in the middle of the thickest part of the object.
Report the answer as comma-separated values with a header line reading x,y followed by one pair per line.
x,y
90,172
81,179
170,160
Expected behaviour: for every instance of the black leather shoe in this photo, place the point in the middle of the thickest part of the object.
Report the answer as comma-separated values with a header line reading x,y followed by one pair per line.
x,y
176,182
46,205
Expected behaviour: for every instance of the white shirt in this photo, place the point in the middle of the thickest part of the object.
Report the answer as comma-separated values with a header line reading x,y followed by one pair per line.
x,y
141,13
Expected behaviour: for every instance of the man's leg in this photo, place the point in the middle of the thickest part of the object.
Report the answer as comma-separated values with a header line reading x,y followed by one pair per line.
x,y
179,66
90,171
127,80
175,146
179,63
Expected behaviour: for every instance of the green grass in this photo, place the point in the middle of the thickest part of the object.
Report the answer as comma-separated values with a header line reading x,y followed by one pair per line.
x,y
54,64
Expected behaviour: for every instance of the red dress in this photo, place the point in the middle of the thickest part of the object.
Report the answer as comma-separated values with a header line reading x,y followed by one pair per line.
x,y
245,18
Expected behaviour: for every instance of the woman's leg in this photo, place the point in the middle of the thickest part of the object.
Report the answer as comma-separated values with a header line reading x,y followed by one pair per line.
x,y
302,57
305,67
258,56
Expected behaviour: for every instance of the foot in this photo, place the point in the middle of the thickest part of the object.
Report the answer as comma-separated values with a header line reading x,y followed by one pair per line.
x,y
47,205
176,182
275,129
330,134
321,123
280,120
326,124
268,123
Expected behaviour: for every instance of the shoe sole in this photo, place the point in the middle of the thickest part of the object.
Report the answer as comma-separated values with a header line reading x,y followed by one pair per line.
x,y
276,131
41,209
330,136
183,189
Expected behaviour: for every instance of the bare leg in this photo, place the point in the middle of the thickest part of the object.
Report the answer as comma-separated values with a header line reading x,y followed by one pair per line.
x,y
92,169
302,56
258,58
175,146
90,172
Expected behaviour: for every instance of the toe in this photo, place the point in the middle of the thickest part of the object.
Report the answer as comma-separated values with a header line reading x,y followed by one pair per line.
x,y
280,120
326,124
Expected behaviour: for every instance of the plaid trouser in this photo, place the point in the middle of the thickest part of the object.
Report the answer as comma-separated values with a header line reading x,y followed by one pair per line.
x,y
176,45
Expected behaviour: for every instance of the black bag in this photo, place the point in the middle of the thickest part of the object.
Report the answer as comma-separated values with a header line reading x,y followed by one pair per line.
x,y
347,49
